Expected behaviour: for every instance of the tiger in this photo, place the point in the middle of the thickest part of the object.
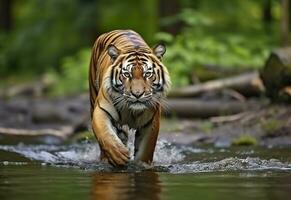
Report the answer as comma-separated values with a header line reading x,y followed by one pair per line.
x,y
128,84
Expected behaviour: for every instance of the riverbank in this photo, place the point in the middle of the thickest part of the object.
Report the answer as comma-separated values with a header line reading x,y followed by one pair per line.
x,y
267,125
58,120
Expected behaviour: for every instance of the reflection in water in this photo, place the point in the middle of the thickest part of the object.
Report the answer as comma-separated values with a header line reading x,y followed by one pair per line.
x,y
29,172
144,185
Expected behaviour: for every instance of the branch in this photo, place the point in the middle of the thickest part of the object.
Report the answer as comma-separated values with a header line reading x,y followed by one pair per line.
x,y
247,84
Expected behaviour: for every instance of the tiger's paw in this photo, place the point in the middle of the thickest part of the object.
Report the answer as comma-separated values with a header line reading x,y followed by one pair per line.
x,y
116,153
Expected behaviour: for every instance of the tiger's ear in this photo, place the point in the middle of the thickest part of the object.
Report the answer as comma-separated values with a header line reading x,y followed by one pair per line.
x,y
159,50
112,51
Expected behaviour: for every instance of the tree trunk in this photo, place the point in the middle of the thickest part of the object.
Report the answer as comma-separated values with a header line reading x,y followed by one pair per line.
x,y
5,14
169,8
267,14
285,23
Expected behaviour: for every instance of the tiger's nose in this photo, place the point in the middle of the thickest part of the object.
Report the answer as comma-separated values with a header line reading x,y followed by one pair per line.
x,y
137,94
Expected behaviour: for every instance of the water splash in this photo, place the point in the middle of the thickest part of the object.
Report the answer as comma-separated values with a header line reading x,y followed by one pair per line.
x,y
231,164
167,157
87,152
166,153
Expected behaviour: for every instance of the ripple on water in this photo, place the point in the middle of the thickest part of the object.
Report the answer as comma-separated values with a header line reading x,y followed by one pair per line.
x,y
230,164
167,157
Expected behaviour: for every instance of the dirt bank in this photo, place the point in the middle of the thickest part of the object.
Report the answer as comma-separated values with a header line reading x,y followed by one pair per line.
x,y
59,119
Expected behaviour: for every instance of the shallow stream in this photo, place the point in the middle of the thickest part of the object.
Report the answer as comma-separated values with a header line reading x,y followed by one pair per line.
x,y
179,172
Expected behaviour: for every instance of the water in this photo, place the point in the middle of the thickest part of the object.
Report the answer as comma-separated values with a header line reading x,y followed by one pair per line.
x,y
179,172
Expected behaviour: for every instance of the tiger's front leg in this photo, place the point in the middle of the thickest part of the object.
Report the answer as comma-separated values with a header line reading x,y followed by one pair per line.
x,y
111,146
146,139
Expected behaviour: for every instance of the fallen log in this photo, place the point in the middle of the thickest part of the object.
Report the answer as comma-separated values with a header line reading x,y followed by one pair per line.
x,y
276,75
62,133
248,84
204,109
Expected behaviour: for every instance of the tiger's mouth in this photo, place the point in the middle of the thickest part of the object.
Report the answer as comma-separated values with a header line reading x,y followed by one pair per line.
x,y
136,101
137,105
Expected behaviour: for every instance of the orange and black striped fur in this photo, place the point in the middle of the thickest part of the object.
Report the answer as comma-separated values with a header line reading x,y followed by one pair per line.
x,y
127,85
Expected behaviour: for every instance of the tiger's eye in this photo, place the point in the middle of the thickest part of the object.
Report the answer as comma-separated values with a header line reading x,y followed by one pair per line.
x,y
148,74
126,74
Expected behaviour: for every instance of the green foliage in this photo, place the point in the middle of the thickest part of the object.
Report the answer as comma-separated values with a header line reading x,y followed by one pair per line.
x,y
271,126
140,16
245,140
45,32
207,126
84,136
74,76
215,39
191,51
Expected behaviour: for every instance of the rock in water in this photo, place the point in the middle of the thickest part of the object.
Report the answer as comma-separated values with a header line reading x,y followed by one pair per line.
x,y
276,75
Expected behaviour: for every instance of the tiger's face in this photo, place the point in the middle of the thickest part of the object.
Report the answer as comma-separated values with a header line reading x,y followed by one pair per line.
x,y
139,80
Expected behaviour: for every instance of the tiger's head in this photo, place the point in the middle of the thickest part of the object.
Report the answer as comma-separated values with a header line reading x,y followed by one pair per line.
x,y
138,79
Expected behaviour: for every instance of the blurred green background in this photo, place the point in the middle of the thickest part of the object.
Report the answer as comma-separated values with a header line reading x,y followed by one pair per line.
x,y
205,38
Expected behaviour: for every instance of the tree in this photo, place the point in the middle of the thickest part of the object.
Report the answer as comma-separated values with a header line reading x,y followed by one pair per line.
x,y
285,22
6,14
169,8
267,13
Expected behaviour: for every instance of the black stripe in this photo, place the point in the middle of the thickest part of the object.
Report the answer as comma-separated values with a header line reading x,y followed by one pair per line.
x,y
116,35
115,89
114,76
111,75
131,60
162,72
143,59
119,114
118,78
133,53
105,96
159,75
